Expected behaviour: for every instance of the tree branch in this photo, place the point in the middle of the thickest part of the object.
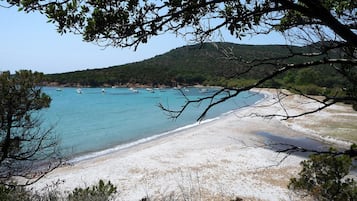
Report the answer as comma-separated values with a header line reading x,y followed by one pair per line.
x,y
352,152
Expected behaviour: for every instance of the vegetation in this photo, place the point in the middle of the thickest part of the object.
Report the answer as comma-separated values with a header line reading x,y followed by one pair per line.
x,y
327,28
189,65
22,141
15,193
99,192
197,64
325,177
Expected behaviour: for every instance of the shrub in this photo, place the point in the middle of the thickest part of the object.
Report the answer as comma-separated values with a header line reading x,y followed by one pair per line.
x,y
311,89
98,192
14,193
324,176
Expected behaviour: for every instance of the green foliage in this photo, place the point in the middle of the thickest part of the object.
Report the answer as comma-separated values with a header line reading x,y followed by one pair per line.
x,y
310,89
14,193
324,176
130,23
307,76
99,192
21,138
203,64
187,65
272,83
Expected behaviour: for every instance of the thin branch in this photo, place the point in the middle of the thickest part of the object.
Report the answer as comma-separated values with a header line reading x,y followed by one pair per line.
x,y
286,117
352,152
177,113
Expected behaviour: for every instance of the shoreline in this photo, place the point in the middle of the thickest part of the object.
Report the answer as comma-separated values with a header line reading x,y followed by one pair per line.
x,y
124,146
123,124
222,158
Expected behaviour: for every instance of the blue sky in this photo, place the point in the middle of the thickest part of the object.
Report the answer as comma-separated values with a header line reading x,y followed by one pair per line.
x,y
27,41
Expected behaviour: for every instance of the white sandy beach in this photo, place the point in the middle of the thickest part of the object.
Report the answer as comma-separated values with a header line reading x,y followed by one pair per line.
x,y
218,160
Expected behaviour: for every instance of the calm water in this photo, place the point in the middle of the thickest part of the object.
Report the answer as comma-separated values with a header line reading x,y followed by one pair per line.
x,y
94,123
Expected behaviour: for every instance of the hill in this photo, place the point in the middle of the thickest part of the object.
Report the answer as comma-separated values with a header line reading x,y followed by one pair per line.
x,y
207,64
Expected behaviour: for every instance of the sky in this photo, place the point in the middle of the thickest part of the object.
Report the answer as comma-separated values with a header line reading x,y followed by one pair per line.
x,y
27,41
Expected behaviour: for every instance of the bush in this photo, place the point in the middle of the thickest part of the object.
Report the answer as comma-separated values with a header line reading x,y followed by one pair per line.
x,y
98,192
311,89
14,193
324,176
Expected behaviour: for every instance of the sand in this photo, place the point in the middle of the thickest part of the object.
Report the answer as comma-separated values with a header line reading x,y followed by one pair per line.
x,y
218,160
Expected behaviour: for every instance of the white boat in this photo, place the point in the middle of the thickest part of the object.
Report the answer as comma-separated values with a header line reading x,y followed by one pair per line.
x,y
133,90
150,90
203,90
58,89
79,91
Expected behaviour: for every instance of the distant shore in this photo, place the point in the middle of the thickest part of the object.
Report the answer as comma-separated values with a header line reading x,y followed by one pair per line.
x,y
220,159
126,85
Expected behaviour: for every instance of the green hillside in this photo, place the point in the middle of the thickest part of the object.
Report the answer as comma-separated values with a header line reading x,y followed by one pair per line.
x,y
205,64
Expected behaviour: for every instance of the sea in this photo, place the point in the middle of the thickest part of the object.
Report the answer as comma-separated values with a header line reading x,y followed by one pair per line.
x,y
90,122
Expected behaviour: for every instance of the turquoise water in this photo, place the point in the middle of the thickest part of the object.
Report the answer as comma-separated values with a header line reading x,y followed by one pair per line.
x,y
94,123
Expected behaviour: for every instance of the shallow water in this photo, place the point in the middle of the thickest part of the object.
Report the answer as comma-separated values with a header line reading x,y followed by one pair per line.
x,y
94,123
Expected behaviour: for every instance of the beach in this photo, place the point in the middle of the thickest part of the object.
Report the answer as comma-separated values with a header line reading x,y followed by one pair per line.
x,y
217,160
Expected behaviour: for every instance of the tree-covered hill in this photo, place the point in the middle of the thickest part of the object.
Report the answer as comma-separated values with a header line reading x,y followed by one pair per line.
x,y
208,64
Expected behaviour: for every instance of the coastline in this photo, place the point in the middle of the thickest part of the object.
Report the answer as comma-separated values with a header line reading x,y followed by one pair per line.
x,y
120,147
220,158
123,147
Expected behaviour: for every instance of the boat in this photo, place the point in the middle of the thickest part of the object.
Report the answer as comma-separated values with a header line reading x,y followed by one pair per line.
x,y
58,89
79,91
203,90
150,90
133,90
